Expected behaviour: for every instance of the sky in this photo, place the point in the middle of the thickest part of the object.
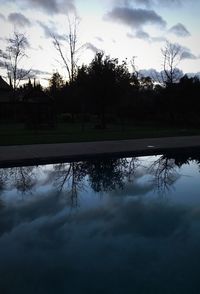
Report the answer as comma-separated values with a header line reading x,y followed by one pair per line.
x,y
121,28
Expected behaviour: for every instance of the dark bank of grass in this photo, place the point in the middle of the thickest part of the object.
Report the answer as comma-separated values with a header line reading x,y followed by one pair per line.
x,y
14,134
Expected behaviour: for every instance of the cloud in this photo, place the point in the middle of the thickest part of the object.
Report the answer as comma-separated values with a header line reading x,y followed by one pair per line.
x,y
146,3
152,73
36,72
54,6
163,2
159,39
187,54
143,2
99,39
149,3
179,30
139,218
49,6
148,239
19,19
140,34
91,47
2,17
133,189
157,76
49,32
183,52
135,18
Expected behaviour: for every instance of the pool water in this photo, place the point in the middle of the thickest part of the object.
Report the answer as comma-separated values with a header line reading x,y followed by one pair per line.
x,y
119,225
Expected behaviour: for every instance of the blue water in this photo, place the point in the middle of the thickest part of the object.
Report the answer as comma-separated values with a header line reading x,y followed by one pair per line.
x,y
129,225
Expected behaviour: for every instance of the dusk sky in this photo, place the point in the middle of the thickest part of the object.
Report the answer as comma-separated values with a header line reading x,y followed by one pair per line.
x,y
121,28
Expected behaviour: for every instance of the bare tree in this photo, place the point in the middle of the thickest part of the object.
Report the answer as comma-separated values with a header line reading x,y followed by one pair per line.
x,y
68,49
12,59
172,54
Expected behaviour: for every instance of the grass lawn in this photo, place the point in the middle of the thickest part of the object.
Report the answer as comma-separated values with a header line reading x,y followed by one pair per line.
x,y
14,134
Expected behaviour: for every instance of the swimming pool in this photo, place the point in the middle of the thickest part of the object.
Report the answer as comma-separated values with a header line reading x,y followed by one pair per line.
x,y
116,225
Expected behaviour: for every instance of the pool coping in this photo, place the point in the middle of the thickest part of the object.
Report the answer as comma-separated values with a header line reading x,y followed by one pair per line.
x,y
23,155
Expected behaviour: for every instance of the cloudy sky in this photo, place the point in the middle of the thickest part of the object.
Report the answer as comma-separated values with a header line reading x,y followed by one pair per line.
x,y
121,28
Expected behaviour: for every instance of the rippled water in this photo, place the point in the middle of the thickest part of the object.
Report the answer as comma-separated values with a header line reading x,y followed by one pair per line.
x,y
128,225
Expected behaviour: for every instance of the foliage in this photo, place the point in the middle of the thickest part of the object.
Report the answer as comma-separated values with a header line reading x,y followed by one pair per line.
x,y
56,82
106,92
108,81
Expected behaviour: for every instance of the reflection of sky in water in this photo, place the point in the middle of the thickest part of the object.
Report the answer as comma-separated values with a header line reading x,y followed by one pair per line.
x,y
141,237
187,189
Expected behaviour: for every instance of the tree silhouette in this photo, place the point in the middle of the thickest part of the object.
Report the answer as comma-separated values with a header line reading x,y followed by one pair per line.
x,y
68,48
172,54
108,81
56,82
13,57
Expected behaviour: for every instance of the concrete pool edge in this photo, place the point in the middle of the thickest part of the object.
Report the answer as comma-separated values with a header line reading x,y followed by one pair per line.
x,y
21,155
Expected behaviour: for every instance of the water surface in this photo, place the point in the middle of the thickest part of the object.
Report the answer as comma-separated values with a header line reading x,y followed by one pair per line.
x,y
128,225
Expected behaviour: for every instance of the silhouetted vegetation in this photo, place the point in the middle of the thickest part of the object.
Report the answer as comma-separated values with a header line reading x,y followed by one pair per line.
x,y
12,59
106,93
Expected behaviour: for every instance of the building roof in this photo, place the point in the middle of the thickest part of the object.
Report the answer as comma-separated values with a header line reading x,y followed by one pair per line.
x,y
4,85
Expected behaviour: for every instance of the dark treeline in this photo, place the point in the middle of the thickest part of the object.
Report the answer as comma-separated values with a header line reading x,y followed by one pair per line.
x,y
103,92
106,90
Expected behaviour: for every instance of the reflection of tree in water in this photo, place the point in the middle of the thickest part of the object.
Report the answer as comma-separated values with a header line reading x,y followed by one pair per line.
x,y
103,175
24,178
130,167
109,174
181,158
70,175
164,170
3,179
21,178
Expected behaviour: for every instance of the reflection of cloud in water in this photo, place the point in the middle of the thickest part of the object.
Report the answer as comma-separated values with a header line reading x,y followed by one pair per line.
x,y
120,244
133,189
147,242
27,211
136,218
